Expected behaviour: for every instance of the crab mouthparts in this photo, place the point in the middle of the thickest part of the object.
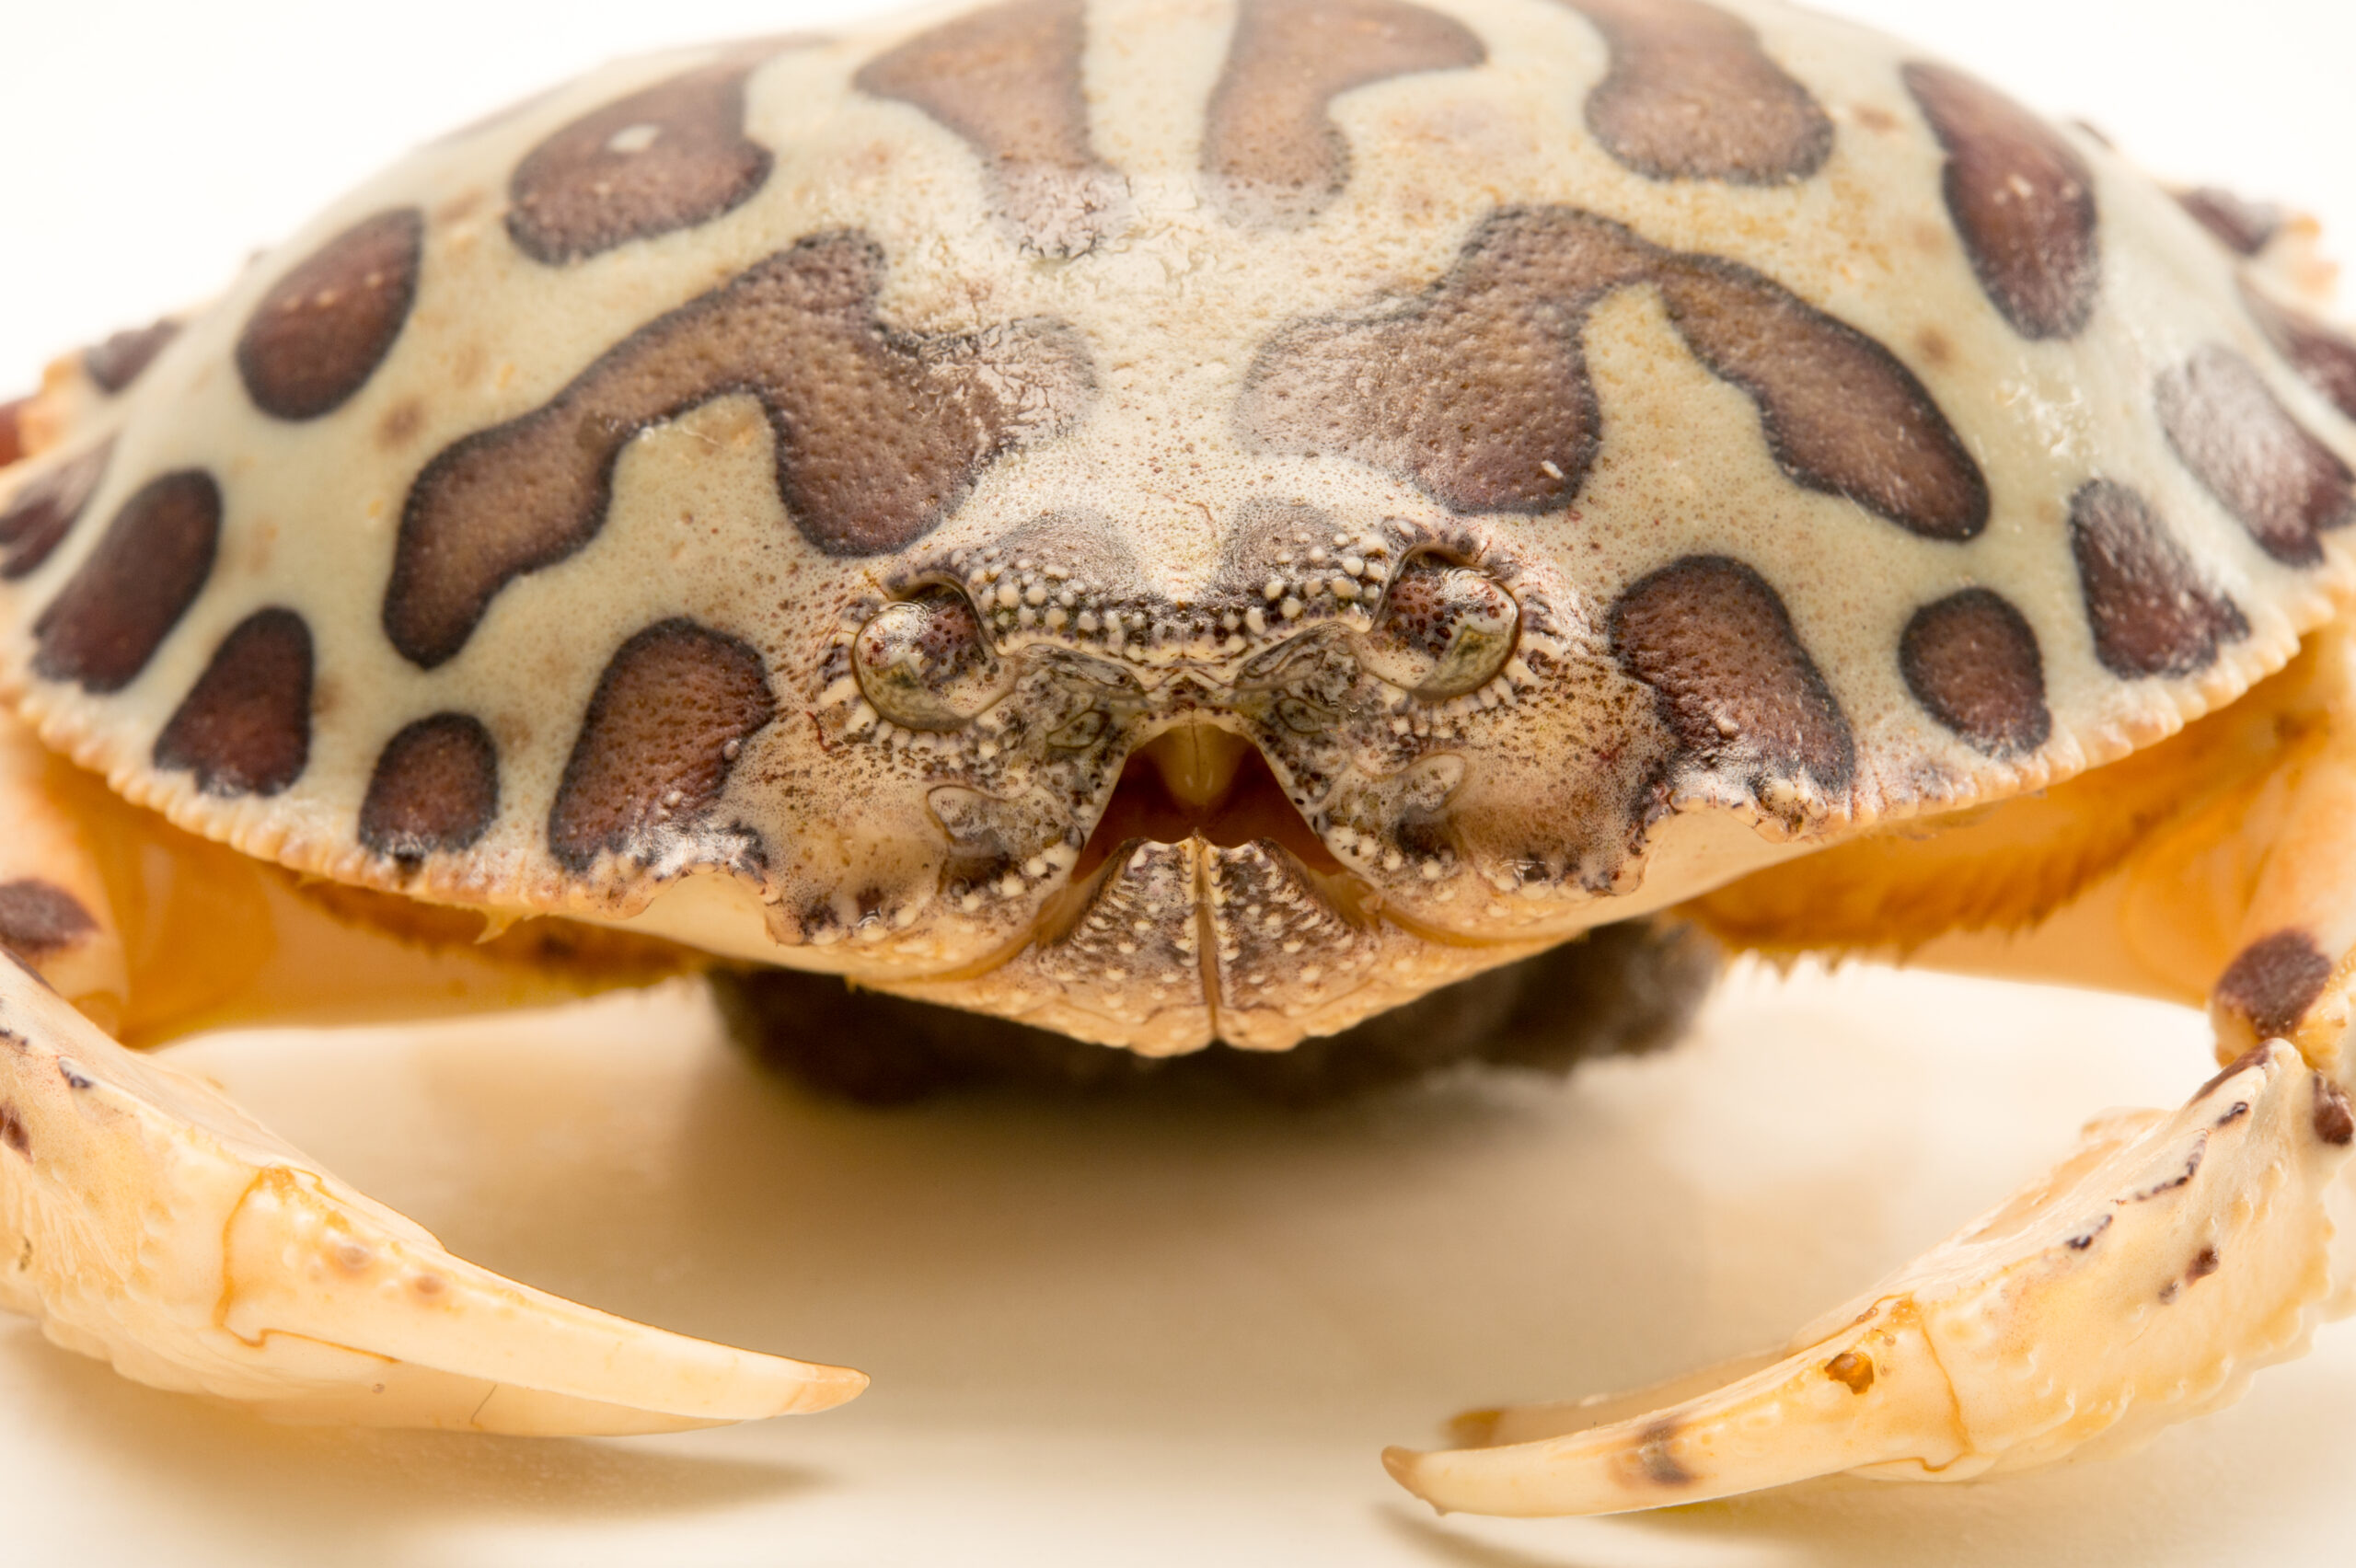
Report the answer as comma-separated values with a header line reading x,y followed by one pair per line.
x,y
1199,781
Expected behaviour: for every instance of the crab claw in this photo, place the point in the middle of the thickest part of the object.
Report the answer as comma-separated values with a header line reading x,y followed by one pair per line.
x,y
146,1221
2139,1283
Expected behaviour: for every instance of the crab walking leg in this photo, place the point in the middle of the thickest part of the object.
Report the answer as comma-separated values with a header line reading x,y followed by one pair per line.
x,y
55,915
2141,1282
146,1221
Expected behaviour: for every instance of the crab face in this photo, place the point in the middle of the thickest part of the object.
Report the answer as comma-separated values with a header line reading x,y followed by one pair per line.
x,y
900,508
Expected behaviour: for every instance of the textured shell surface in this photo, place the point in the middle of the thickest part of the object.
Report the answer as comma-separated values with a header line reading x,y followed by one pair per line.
x,y
1573,452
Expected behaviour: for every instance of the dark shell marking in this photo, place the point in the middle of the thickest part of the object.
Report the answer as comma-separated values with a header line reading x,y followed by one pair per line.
x,y
26,969
1006,79
665,158
1690,95
2022,200
107,623
1971,660
2241,225
43,512
2151,612
1734,684
1851,1369
2276,478
245,727
115,363
12,429
671,713
321,332
1272,153
2274,981
1661,1466
1478,390
879,432
436,788
12,1130
38,918
2335,1123
2326,359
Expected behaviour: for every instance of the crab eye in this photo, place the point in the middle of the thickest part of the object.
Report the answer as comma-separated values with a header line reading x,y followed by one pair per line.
x,y
1443,630
923,662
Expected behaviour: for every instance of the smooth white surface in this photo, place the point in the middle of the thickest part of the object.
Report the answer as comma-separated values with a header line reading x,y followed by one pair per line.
x,y
1111,1336
1175,1336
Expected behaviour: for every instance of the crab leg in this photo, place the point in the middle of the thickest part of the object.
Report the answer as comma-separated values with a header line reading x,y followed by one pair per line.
x,y
2142,1280
2139,1283
147,1221
154,1225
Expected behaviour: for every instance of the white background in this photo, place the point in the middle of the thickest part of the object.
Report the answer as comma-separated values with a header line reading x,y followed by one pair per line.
x,y
149,147
1110,1337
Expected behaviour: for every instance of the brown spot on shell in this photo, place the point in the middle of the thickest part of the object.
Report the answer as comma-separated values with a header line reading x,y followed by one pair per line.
x,y
1853,1369
323,328
1690,95
245,727
664,158
2278,481
2086,1235
35,523
38,918
1661,1466
2151,613
109,618
2241,225
12,429
12,1130
2324,357
2205,1263
669,715
1006,79
2022,200
2192,1161
1971,660
2334,1122
1734,684
436,788
29,971
115,363
878,432
2274,981
1272,154
1840,413
2239,1065
401,424
1478,389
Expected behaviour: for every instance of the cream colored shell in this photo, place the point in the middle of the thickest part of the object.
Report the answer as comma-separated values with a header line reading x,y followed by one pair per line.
x,y
826,847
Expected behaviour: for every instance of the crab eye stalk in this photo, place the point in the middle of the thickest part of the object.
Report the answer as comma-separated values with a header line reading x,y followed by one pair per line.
x,y
1443,630
924,663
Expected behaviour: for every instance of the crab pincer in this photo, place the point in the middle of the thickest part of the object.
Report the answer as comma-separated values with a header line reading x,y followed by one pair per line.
x,y
151,1223
2139,1283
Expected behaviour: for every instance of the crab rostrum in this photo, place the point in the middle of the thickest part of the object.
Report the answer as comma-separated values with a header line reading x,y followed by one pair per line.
x,y
1080,510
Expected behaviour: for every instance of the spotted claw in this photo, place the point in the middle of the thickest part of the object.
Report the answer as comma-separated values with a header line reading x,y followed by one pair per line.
x,y
2139,1283
149,1222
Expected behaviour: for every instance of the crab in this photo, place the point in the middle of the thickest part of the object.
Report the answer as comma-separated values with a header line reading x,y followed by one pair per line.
x,y
1175,524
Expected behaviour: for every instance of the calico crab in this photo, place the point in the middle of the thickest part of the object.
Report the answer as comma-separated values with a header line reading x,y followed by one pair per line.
x,y
1207,520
